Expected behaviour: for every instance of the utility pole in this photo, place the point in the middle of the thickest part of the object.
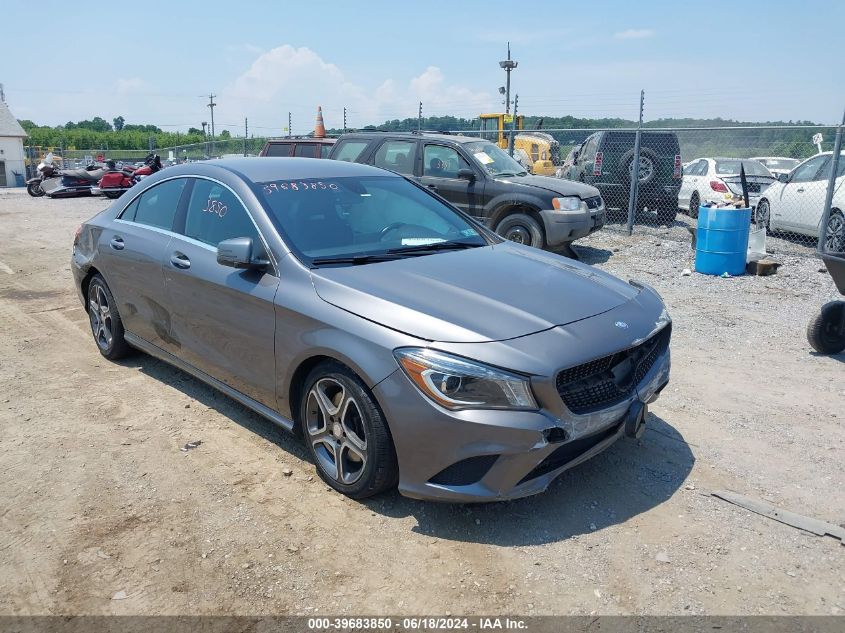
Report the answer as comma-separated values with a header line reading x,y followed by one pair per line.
x,y
513,126
508,65
344,120
419,118
246,133
289,130
831,185
634,192
211,105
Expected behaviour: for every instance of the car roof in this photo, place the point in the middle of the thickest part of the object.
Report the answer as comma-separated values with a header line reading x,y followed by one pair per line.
x,y
299,139
447,138
266,169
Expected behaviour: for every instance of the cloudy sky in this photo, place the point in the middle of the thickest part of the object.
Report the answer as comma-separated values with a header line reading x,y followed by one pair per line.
x,y
151,62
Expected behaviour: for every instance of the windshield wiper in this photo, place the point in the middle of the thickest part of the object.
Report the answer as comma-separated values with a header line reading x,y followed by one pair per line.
x,y
434,246
512,173
353,259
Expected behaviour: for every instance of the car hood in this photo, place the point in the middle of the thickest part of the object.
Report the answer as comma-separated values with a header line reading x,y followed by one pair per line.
x,y
477,295
555,185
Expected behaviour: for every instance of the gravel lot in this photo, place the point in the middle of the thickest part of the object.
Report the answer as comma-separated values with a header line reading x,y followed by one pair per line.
x,y
101,513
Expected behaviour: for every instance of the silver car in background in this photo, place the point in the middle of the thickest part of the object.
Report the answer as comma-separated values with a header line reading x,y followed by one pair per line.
x,y
405,342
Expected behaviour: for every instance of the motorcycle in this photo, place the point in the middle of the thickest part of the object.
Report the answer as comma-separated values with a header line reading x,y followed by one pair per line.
x,y
115,181
46,169
72,182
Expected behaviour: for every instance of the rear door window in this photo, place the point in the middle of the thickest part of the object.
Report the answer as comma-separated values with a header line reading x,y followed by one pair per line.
x,y
350,150
157,205
396,156
279,149
215,214
306,150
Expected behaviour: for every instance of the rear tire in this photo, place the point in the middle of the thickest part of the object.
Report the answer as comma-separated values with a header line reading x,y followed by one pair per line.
x,y
34,189
763,215
694,203
106,325
834,240
522,229
648,166
346,433
825,332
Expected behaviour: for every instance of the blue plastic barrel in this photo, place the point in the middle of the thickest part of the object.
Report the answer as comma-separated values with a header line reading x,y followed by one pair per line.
x,y
722,240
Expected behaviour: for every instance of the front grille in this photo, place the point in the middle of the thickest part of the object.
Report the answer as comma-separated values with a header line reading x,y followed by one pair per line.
x,y
606,381
570,451
594,202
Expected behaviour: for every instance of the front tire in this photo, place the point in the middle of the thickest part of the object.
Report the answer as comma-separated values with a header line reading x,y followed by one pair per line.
x,y
112,195
346,433
34,189
522,229
826,332
763,215
106,325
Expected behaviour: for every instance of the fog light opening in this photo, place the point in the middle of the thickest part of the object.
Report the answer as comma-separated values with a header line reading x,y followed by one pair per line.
x,y
554,434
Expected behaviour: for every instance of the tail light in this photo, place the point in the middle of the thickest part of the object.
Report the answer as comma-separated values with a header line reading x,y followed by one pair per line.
x,y
679,169
76,235
598,163
718,185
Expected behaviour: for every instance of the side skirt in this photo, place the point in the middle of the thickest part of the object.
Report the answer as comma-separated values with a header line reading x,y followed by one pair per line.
x,y
234,394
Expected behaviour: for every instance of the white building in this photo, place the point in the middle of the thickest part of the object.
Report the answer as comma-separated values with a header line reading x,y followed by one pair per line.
x,y
11,147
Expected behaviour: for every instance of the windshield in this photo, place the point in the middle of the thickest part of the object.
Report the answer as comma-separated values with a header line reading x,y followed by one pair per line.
x,y
780,163
730,167
364,218
495,160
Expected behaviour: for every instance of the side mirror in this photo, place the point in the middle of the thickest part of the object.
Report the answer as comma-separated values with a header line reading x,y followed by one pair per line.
x,y
783,178
237,253
466,174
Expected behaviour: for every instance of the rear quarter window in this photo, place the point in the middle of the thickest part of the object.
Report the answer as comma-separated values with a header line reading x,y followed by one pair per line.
x,y
350,150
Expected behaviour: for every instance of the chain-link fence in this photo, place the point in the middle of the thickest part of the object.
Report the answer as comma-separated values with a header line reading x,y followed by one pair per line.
x,y
791,175
787,177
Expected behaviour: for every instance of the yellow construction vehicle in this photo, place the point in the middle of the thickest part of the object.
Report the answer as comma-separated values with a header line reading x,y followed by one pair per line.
x,y
538,151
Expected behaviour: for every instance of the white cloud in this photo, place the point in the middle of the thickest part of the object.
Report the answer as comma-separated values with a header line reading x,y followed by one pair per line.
x,y
634,34
298,79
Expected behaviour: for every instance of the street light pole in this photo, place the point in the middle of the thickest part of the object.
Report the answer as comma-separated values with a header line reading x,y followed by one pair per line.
x,y
508,65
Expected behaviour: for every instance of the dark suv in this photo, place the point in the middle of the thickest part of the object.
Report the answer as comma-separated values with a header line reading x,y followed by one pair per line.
x,y
302,146
481,179
605,159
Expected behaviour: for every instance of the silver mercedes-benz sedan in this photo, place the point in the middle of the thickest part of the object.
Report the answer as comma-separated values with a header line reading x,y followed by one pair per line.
x,y
405,342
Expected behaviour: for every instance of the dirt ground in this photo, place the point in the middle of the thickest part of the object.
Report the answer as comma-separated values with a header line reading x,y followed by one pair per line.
x,y
102,513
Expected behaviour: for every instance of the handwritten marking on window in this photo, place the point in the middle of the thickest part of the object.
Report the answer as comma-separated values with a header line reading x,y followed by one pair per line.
x,y
216,207
298,185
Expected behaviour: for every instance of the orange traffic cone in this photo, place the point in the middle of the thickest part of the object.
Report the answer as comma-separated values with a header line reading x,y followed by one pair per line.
x,y
319,128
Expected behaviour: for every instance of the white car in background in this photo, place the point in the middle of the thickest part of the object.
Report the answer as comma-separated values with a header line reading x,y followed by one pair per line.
x,y
778,164
717,179
796,202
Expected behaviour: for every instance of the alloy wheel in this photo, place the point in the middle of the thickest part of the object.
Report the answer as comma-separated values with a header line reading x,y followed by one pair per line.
x,y
646,168
835,238
336,431
762,215
99,311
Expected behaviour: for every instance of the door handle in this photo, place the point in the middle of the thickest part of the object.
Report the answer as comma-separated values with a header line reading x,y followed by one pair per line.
x,y
117,243
432,187
801,190
180,260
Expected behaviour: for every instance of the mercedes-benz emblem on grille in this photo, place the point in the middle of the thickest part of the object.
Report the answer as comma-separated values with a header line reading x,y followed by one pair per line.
x,y
621,325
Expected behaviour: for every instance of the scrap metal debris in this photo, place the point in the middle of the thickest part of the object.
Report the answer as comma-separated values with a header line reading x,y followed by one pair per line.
x,y
190,445
814,526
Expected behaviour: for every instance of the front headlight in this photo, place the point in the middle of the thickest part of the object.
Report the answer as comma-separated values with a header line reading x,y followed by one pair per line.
x,y
459,383
567,203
